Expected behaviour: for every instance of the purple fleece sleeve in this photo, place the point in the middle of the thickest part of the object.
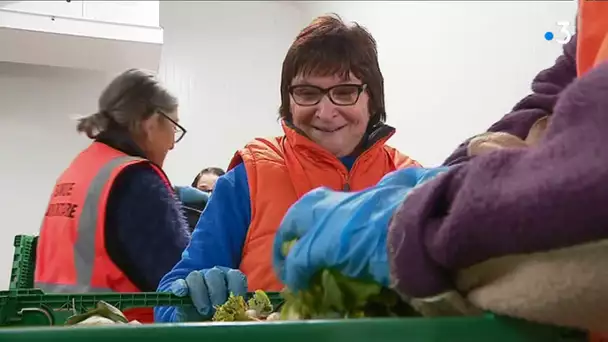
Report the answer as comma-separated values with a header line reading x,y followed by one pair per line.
x,y
510,201
546,87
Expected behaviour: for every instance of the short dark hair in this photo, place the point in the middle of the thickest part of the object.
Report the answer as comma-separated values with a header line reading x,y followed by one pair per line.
x,y
328,46
213,170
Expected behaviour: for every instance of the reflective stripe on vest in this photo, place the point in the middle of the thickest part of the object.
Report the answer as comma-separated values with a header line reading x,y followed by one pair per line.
x,y
84,248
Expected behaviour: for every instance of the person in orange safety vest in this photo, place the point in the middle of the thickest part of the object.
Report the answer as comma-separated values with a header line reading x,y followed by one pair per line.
x,y
332,114
113,223
518,230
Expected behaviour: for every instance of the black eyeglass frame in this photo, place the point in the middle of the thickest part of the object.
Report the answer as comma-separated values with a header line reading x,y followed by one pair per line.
x,y
176,125
327,92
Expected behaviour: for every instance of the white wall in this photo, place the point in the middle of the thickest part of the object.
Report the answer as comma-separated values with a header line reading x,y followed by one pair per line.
x,y
223,60
38,140
452,68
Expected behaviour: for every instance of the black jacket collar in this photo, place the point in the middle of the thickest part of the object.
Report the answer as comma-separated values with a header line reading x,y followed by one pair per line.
x,y
120,139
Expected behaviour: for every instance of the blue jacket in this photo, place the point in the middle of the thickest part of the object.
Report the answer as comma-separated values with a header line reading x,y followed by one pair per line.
x,y
219,236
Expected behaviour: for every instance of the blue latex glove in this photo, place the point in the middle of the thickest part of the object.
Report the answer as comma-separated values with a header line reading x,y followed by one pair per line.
x,y
343,231
208,288
191,195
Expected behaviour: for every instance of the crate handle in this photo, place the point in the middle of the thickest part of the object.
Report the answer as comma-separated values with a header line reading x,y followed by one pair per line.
x,y
44,312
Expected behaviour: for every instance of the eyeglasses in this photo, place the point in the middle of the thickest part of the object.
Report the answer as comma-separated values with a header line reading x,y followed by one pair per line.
x,y
180,131
340,95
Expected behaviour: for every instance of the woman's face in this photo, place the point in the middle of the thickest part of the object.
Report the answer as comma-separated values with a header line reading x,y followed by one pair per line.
x,y
206,182
337,126
160,134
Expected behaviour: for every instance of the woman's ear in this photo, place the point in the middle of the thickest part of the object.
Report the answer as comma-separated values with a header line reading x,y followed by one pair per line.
x,y
147,126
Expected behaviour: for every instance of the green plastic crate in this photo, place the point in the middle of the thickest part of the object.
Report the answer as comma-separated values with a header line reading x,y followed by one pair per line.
x,y
24,262
35,308
23,306
465,329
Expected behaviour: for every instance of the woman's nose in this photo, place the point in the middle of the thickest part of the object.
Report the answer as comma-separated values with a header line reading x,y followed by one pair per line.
x,y
326,109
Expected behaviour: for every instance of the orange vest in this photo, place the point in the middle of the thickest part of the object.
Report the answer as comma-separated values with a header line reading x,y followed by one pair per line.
x,y
592,34
71,256
280,170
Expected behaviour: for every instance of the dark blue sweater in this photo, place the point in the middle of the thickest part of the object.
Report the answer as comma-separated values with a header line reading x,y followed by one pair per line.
x,y
145,230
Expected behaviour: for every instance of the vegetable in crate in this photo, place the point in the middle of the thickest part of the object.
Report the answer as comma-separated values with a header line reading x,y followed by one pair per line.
x,y
103,313
257,308
333,295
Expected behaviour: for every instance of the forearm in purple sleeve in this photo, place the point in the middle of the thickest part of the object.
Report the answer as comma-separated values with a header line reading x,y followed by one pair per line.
x,y
511,201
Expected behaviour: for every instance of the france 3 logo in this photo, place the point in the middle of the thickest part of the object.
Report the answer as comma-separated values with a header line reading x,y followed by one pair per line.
x,y
563,35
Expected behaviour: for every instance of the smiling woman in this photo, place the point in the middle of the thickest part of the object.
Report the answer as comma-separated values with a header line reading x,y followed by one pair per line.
x,y
332,87
332,114
340,122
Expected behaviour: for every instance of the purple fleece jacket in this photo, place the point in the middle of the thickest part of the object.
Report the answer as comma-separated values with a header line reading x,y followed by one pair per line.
x,y
546,87
510,201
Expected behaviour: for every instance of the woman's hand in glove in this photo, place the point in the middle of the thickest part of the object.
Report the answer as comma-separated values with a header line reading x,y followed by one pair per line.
x,y
208,288
343,231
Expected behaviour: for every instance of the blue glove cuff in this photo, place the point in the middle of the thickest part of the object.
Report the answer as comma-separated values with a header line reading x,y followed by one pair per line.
x,y
191,195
